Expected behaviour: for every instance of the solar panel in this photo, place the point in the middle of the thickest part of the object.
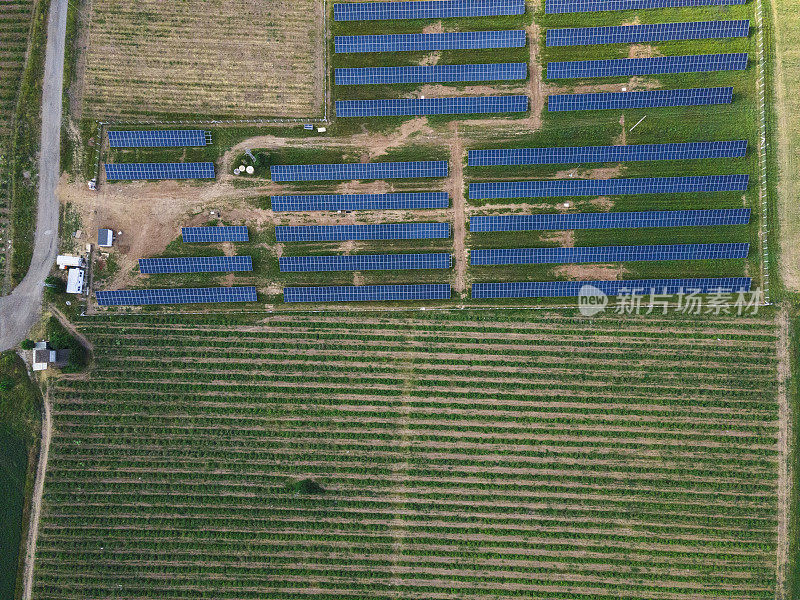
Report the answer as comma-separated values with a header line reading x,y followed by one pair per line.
x,y
572,6
597,254
195,264
649,99
176,296
601,187
567,289
409,42
235,233
657,32
364,262
596,154
427,9
617,67
400,201
431,106
431,74
378,170
157,139
654,218
339,233
367,293
132,171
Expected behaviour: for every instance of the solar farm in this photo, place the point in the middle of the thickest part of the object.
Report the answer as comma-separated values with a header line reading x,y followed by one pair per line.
x,y
341,355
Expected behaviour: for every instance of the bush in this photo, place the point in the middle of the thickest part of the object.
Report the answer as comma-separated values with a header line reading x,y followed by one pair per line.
x,y
306,487
56,284
62,339
27,344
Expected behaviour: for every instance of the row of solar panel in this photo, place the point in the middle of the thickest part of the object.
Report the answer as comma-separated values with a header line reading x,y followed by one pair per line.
x,y
637,34
379,170
431,106
430,74
657,65
567,289
134,171
549,188
611,220
409,42
573,6
426,9
596,154
383,231
597,254
396,201
175,296
157,139
367,293
234,233
365,262
195,264
648,99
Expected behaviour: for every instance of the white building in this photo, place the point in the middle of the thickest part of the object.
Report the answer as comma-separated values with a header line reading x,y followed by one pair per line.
x,y
75,281
65,261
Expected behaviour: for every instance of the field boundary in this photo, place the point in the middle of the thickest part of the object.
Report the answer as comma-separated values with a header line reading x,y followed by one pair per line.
x,y
762,151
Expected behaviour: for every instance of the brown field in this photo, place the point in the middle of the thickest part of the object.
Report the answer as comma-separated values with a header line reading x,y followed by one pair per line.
x,y
211,58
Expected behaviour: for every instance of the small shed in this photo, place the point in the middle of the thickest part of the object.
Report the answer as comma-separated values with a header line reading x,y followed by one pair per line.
x,y
44,356
105,238
75,281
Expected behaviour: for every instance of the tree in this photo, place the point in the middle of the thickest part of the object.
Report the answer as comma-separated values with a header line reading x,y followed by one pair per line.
x,y
27,344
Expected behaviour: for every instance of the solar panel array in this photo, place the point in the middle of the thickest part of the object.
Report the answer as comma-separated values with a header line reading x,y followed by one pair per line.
x,y
427,9
195,264
573,6
157,139
594,254
385,231
595,154
430,74
409,42
378,170
567,289
235,233
431,106
657,32
398,201
601,187
649,99
618,67
176,296
367,293
131,171
364,262
627,220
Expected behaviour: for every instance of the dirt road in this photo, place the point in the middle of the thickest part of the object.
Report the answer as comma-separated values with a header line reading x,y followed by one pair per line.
x,y
21,309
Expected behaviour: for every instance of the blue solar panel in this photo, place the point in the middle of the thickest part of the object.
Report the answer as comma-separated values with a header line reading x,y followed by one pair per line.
x,y
657,32
176,296
653,218
130,171
235,233
596,254
431,106
573,6
195,264
595,154
339,233
377,170
601,187
364,262
408,42
401,201
367,293
157,138
619,67
427,9
431,74
568,289
651,99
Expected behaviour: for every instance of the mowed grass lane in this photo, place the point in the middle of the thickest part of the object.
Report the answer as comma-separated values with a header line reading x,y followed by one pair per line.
x,y
462,456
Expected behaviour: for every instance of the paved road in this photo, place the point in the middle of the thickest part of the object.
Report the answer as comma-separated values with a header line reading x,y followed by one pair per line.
x,y
20,310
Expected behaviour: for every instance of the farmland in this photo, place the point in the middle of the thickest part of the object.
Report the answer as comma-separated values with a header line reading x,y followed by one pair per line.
x,y
449,455
209,59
